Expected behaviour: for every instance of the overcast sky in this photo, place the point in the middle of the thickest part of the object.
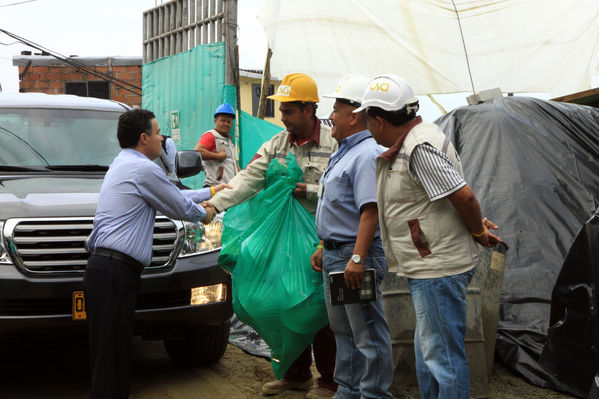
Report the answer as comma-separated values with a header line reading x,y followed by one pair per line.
x,y
114,27
100,28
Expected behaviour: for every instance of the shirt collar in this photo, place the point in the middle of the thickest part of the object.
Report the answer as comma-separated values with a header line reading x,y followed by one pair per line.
x,y
133,152
391,153
355,138
315,134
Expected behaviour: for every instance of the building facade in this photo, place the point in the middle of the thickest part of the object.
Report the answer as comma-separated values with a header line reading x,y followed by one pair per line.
x,y
250,82
114,78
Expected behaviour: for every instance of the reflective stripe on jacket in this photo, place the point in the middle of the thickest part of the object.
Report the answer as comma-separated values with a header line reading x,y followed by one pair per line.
x,y
311,157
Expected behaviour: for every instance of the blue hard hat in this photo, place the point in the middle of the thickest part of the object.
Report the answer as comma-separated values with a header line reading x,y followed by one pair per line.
x,y
225,109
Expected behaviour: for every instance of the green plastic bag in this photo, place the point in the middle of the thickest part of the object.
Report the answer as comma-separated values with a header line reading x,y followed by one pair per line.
x,y
267,242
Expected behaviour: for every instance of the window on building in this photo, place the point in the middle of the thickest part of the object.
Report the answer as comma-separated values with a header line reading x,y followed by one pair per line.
x,y
270,104
98,89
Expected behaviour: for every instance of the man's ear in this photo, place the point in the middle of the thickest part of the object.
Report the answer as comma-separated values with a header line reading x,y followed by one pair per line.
x,y
143,138
382,122
310,110
355,118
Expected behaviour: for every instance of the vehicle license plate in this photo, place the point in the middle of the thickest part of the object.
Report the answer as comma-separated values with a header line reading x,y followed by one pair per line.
x,y
79,306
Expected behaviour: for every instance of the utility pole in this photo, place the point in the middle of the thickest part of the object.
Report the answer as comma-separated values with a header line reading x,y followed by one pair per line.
x,y
265,85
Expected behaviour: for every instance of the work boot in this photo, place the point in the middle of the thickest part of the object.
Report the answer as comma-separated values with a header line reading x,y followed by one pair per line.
x,y
277,386
320,393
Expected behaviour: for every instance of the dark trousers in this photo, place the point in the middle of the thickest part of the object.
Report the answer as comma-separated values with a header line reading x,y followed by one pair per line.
x,y
111,289
324,357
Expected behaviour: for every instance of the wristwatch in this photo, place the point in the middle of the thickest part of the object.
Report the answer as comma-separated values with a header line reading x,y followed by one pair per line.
x,y
357,259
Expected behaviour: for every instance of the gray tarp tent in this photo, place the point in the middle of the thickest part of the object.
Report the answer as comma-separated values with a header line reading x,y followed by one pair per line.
x,y
534,165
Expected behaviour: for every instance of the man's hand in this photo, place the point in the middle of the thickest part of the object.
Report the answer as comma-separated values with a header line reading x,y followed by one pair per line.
x,y
221,186
210,214
207,205
221,155
209,155
354,274
316,260
300,190
488,239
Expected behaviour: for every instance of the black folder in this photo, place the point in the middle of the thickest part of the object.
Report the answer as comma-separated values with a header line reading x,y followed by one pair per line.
x,y
341,295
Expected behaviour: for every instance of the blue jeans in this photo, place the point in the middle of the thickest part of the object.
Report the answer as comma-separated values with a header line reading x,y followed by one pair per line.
x,y
441,363
364,363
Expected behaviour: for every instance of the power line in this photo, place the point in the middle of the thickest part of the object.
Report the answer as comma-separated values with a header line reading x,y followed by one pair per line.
x,y
16,4
464,44
76,64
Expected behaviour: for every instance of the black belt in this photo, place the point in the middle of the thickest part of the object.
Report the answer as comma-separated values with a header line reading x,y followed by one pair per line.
x,y
126,259
328,245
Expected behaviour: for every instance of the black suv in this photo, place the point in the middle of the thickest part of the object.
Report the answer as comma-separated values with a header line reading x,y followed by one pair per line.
x,y
54,153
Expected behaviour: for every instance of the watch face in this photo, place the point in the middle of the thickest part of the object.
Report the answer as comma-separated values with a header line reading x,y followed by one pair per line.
x,y
356,259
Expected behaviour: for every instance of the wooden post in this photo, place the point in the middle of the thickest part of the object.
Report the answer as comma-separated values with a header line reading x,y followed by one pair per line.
x,y
237,83
265,85
230,22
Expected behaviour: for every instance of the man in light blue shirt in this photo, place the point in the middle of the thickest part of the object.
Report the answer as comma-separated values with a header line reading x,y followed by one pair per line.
x,y
347,224
170,149
121,245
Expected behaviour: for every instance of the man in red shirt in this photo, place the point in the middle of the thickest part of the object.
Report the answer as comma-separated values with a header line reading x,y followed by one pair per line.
x,y
217,148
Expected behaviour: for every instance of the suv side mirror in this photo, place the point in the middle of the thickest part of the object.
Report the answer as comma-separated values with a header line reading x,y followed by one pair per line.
x,y
188,163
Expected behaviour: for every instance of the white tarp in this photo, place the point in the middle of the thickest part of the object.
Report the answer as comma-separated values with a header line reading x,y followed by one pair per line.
x,y
517,45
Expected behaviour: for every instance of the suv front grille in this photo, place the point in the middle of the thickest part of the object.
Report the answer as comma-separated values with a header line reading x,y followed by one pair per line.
x,y
56,245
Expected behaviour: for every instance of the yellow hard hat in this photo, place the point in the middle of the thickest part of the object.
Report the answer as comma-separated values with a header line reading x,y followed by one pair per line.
x,y
297,87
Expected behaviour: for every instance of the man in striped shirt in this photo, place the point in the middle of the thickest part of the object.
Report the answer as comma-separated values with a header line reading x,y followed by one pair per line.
x,y
430,221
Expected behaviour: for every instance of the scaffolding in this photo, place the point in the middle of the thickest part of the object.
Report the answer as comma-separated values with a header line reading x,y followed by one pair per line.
x,y
180,25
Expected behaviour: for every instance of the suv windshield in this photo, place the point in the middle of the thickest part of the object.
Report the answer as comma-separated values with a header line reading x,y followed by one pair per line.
x,y
44,137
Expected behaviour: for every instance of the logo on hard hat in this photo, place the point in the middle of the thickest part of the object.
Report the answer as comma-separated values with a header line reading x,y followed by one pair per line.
x,y
379,87
284,90
338,88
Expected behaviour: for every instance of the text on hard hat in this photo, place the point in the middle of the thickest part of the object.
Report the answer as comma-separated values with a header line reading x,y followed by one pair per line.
x,y
284,90
379,87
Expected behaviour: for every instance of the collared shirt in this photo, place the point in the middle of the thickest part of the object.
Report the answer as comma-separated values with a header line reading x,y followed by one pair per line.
x,y
311,157
348,183
391,153
171,151
429,166
433,169
315,135
133,189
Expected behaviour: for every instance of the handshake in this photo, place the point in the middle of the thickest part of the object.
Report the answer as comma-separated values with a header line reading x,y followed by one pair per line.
x,y
210,209
211,212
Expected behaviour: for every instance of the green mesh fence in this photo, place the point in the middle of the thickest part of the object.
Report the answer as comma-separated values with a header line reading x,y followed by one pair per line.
x,y
192,85
254,132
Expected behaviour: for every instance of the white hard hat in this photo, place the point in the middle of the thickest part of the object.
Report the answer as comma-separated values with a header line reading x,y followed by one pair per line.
x,y
350,88
389,92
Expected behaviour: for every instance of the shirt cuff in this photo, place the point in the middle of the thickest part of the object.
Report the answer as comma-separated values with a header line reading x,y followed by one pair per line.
x,y
448,192
196,213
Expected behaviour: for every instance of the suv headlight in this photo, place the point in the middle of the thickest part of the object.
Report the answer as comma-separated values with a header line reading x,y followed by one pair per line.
x,y
201,237
4,258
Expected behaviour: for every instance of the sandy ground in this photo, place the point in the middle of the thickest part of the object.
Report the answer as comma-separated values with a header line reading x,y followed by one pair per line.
x,y
53,371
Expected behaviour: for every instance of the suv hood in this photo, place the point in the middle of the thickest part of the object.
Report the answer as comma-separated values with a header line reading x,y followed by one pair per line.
x,y
49,196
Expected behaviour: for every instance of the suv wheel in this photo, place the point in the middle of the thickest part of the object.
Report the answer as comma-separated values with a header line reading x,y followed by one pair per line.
x,y
200,346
